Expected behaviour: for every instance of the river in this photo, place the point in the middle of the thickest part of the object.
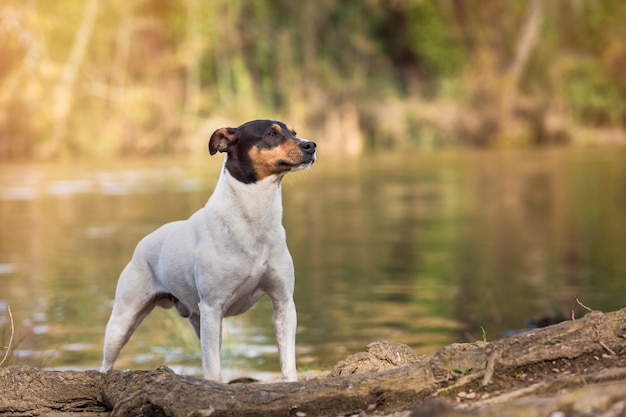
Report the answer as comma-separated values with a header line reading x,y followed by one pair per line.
x,y
423,248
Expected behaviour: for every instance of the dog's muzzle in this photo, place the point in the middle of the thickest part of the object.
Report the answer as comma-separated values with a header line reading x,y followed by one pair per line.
x,y
308,151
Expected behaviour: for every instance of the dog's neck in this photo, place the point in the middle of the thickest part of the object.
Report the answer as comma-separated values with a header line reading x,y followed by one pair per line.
x,y
259,202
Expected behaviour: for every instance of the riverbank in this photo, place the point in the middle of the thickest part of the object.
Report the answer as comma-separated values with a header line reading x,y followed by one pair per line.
x,y
574,368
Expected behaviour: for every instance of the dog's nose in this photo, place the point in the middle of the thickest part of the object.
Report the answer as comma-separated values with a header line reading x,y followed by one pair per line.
x,y
308,146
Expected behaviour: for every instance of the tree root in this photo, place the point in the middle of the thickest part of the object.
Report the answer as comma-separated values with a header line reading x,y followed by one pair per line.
x,y
564,365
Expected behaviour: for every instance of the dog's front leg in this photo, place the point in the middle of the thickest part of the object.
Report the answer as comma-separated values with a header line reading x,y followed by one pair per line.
x,y
210,340
285,322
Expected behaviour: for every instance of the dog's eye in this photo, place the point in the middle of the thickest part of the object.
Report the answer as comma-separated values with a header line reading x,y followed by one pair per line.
x,y
272,133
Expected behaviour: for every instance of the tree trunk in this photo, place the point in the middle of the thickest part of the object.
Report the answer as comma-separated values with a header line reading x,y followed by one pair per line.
x,y
577,365
192,76
64,93
525,44
508,122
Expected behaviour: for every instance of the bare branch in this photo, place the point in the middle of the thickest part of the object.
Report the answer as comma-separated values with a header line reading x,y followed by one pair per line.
x,y
8,348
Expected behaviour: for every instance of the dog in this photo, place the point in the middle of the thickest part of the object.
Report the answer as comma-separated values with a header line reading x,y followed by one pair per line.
x,y
221,260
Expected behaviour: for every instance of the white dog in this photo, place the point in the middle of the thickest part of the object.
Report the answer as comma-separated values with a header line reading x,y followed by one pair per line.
x,y
222,259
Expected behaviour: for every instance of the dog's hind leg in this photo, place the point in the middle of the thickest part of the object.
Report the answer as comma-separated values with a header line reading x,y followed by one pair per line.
x,y
194,320
129,310
122,324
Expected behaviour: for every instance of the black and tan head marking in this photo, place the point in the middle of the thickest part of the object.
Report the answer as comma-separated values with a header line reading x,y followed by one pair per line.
x,y
262,148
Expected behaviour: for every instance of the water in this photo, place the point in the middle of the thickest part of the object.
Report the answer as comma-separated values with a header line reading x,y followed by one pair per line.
x,y
420,248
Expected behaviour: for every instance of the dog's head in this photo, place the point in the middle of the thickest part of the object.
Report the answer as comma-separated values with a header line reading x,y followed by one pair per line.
x,y
262,148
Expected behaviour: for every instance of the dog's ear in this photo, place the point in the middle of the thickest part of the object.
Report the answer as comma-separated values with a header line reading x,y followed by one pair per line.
x,y
221,139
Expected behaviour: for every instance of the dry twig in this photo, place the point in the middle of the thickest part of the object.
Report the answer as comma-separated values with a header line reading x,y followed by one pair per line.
x,y
582,305
608,349
491,366
8,348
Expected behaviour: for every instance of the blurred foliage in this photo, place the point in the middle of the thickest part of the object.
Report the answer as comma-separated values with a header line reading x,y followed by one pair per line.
x,y
592,95
143,77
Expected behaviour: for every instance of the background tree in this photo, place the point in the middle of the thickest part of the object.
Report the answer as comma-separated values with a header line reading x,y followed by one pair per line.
x,y
138,77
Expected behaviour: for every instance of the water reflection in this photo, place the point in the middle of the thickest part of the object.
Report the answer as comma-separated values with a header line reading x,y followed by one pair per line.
x,y
418,248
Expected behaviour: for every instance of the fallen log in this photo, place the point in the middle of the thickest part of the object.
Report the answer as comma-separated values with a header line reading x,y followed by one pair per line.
x,y
26,391
480,376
